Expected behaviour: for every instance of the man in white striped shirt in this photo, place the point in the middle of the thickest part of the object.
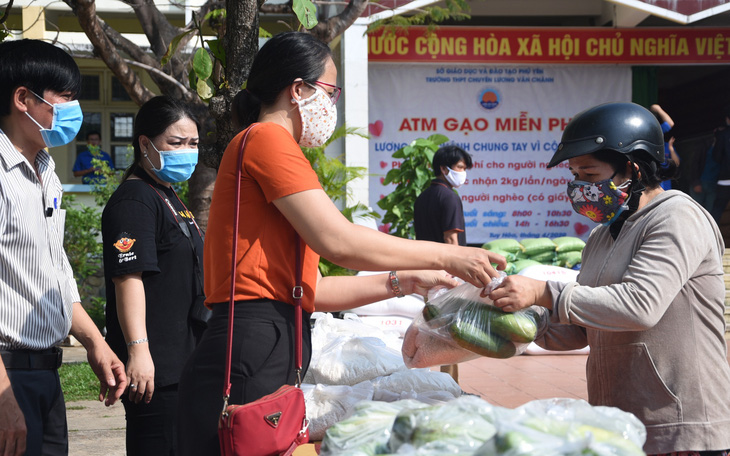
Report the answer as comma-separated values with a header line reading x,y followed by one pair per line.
x,y
38,293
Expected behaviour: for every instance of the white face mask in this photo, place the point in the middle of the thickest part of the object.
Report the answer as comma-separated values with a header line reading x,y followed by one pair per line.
x,y
456,178
319,118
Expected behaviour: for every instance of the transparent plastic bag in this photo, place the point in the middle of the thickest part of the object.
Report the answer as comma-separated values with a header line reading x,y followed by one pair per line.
x,y
329,404
367,431
415,384
469,324
456,427
564,427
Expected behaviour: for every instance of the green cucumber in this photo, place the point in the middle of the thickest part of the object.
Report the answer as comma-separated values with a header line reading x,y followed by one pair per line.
x,y
430,312
475,340
517,327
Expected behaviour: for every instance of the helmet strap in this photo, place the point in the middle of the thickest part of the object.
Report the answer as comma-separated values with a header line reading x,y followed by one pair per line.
x,y
637,187
635,191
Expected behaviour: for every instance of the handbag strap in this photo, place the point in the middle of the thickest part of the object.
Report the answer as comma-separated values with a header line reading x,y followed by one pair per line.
x,y
297,291
186,232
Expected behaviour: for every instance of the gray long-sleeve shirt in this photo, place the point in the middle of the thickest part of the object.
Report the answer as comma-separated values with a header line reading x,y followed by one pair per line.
x,y
650,305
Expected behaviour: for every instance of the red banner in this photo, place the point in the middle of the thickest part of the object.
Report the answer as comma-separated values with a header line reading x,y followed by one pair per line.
x,y
595,45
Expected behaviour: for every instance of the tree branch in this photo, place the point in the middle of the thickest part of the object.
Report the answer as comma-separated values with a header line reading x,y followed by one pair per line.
x,y
276,9
334,26
150,69
85,11
125,45
206,8
7,12
155,25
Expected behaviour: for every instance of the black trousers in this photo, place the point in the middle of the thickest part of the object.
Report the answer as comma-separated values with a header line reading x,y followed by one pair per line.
x,y
39,396
263,360
152,428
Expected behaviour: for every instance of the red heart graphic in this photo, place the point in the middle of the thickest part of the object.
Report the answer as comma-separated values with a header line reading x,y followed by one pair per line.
x,y
376,128
580,228
385,228
382,196
383,164
382,181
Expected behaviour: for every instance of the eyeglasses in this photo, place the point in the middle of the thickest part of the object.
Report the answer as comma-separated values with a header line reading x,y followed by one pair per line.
x,y
335,95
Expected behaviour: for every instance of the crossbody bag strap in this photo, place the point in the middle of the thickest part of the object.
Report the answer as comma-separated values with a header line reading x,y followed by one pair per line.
x,y
186,232
297,292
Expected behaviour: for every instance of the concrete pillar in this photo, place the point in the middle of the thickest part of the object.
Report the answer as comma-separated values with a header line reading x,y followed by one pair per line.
x,y
34,22
355,100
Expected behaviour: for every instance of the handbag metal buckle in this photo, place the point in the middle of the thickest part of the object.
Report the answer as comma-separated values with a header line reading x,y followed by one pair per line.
x,y
224,413
305,425
297,292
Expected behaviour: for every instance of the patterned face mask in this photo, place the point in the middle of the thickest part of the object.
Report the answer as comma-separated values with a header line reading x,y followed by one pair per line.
x,y
601,201
319,118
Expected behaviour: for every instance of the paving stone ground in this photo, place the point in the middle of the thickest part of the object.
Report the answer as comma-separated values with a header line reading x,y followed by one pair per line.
x,y
93,428
96,430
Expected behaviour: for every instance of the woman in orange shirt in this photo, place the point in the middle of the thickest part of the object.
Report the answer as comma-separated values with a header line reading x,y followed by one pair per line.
x,y
291,95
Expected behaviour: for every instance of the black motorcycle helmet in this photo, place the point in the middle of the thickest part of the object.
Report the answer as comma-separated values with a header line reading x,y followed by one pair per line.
x,y
623,127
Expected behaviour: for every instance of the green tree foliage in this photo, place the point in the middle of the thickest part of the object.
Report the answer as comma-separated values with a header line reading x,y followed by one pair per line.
x,y
412,177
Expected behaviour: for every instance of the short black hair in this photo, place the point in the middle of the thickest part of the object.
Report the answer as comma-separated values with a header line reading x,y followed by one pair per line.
x,y
37,65
93,132
449,156
280,61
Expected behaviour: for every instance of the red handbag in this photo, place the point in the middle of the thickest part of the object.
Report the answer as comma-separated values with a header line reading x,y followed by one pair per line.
x,y
275,424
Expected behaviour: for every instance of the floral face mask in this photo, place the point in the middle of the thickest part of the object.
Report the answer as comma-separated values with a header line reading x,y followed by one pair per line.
x,y
601,201
319,118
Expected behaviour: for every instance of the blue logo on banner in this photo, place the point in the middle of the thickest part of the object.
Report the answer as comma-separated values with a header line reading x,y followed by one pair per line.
x,y
489,99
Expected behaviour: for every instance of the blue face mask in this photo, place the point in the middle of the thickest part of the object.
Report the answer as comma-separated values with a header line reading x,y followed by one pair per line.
x,y
67,119
175,165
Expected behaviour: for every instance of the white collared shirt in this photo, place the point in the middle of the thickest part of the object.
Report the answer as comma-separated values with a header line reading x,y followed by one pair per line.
x,y
37,287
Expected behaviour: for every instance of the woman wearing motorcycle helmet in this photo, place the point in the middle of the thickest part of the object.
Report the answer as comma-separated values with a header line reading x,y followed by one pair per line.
x,y
649,299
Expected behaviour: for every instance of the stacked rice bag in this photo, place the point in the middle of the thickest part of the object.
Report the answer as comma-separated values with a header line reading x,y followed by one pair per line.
x,y
562,251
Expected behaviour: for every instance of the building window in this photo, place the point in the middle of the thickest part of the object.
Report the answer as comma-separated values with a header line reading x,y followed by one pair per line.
x,y
108,110
118,91
90,87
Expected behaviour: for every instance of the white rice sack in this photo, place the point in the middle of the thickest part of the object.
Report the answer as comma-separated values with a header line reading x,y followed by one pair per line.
x,y
330,404
408,384
327,328
545,272
388,323
350,360
534,349
407,306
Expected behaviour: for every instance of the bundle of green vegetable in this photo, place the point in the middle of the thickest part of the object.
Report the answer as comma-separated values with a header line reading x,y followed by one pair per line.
x,y
470,426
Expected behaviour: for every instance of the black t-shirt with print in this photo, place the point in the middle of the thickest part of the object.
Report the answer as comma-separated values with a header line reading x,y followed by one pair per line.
x,y
141,234
438,209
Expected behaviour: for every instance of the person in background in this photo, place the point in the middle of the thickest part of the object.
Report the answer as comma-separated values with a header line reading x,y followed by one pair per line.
x,y
438,214
84,167
290,102
721,155
667,124
703,185
649,299
153,255
40,300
